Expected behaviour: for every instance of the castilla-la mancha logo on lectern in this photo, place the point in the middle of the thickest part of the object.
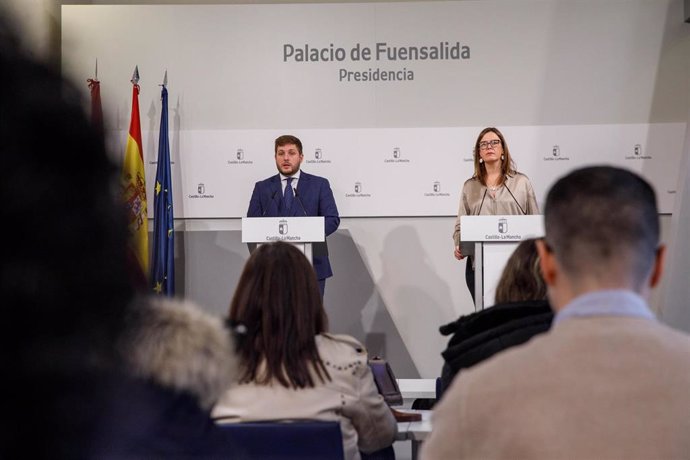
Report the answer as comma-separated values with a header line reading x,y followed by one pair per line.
x,y
502,225
283,227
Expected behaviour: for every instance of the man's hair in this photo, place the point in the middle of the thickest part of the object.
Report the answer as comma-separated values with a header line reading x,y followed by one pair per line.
x,y
287,139
279,303
521,279
604,221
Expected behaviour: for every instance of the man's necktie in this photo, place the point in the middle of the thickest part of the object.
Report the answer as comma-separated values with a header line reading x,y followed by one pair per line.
x,y
289,194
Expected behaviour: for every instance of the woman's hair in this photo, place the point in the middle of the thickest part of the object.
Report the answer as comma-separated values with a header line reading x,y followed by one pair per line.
x,y
521,279
279,305
507,164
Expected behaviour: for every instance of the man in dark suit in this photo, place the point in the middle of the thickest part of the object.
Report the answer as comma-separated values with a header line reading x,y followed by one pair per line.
x,y
295,193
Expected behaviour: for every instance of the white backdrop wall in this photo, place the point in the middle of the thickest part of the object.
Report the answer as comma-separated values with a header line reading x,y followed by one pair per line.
x,y
569,82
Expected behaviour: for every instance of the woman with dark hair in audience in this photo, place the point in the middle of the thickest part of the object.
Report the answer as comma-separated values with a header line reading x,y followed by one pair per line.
x,y
521,311
290,367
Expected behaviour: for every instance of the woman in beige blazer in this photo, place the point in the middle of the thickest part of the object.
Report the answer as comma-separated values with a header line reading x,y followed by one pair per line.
x,y
496,188
291,368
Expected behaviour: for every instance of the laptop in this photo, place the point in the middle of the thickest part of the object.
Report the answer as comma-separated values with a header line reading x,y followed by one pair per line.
x,y
387,385
385,381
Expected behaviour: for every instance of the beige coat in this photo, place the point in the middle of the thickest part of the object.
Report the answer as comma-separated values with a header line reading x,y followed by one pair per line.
x,y
591,388
351,398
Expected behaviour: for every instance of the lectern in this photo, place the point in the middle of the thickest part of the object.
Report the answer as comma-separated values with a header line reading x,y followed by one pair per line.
x,y
491,240
300,231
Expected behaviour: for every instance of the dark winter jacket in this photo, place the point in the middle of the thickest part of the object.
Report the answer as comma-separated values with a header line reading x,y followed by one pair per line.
x,y
178,362
480,335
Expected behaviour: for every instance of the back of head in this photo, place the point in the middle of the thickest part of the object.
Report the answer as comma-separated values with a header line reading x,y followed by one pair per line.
x,y
65,268
278,302
602,222
521,279
64,280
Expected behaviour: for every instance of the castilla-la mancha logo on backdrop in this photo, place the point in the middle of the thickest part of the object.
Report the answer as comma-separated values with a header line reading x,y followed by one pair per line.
x,y
637,154
556,154
397,157
436,190
201,192
238,158
282,227
318,157
358,192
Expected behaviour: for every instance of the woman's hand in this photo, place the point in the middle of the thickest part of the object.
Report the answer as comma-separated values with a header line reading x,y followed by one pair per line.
x,y
458,253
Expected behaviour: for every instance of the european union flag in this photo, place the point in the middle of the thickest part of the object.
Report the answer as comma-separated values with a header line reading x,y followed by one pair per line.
x,y
163,266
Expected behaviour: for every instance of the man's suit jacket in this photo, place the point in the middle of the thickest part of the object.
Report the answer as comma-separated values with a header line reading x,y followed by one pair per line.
x,y
314,197
591,388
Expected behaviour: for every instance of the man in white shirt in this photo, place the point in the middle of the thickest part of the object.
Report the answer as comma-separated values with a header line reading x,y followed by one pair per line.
x,y
293,192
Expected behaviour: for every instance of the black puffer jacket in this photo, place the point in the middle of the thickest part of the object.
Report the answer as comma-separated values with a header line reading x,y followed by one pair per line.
x,y
480,335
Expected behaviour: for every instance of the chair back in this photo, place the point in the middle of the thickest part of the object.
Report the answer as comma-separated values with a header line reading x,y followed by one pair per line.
x,y
287,440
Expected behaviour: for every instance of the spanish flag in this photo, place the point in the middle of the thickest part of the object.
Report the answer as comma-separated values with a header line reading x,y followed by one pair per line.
x,y
134,195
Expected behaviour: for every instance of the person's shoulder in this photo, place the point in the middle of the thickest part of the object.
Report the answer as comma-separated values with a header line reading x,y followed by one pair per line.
x,y
312,177
517,176
528,357
673,336
472,182
341,342
268,180
178,345
344,356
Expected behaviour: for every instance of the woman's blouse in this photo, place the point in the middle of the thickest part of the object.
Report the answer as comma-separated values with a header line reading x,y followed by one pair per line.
x,y
515,193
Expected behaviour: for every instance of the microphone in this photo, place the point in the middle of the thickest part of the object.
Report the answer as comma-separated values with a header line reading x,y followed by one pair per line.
x,y
482,203
269,203
299,200
516,201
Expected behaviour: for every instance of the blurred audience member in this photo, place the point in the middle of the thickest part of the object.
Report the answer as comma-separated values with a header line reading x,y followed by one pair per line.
x,y
291,368
607,380
89,371
521,312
